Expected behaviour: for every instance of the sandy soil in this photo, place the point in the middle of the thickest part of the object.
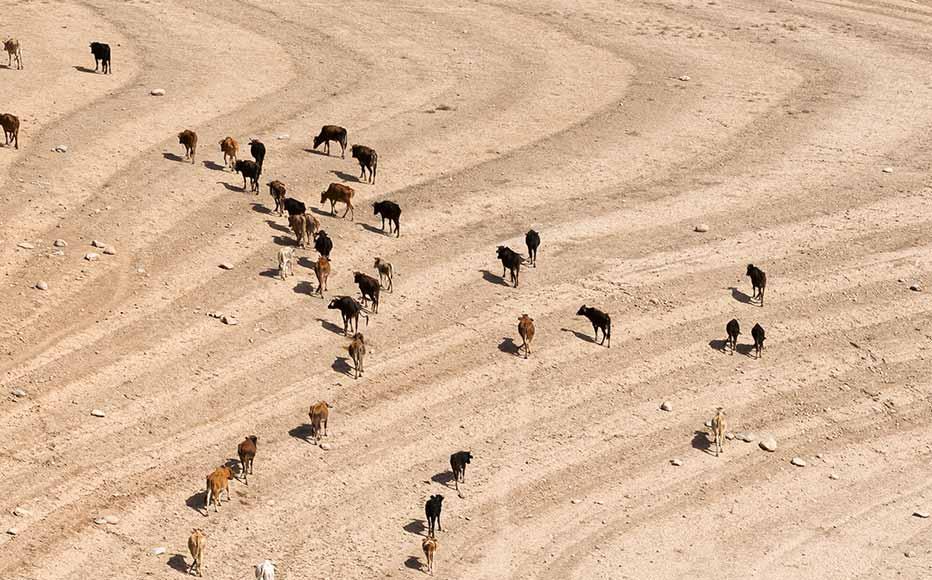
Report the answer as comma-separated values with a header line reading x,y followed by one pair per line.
x,y
490,118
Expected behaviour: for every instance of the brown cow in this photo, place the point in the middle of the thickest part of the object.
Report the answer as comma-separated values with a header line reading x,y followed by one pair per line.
x,y
247,454
322,269
386,271
526,330
337,192
13,51
277,191
188,138
10,124
303,225
217,482
357,352
718,430
196,546
319,414
429,546
230,147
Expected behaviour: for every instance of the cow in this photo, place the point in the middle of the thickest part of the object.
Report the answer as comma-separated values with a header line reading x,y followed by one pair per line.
x,y
330,133
386,271
13,51
526,331
265,570
257,150
733,330
390,211
357,352
294,206
247,454
458,463
758,333
10,124
368,160
600,321
758,282
511,261
432,510
322,270
196,543
350,310
229,147
429,545
718,430
101,54
285,263
369,288
249,170
323,244
188,138
319,414
277,191
339,193
217,482
303,225
532,239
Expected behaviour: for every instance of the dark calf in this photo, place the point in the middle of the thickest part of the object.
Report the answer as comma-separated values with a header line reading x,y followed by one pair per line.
x,y
734,330
350,309
101,54
512,261
247,453
368,160
294,206
257,150
390,211
369,288
758,333
458,463
432,510
532,239
277,191
323,244
758,282
250,170
600,321
330,133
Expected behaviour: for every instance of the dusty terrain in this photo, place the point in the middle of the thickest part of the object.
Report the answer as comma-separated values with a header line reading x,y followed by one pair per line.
x,y
490,118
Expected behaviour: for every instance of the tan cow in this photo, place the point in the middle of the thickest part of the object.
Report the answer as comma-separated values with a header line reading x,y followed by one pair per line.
x,y
196,546
339,193
319,414
386,271
429,545
526,330
357,352
322,269
217,482
230,147
718,430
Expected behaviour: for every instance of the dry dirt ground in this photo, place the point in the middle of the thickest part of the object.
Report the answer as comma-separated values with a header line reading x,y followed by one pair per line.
x,y
491,117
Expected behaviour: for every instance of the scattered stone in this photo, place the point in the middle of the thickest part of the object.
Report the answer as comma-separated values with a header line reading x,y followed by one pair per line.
x,y
666,406
91,257
676,462
98,244
915,288
887,170
20,512
100,521
226,266
19,393
25,245
110,251
60,149
684,78
98,413
768,444
923,515
12,531
112,520
746,437
702,228
326,446
283,137
833,476
158,551
730,436
229,320
798,462
157,92
574,501
59,243
42,285
909,554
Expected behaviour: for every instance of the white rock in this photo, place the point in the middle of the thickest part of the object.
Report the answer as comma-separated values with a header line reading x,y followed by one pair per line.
x,y
226,266
833,476
59,243
100,521
676,462
326,446
283,137
12,531
110,251
574,501
229,320
60,149
98,244
91,257
922,515
746,437
887,170
21,512
768,444
25,245
666,406
685,78
915,288
42,285
113,520
909,554
157,92
98,413
701,228
19,393
798,462
729,435
158,551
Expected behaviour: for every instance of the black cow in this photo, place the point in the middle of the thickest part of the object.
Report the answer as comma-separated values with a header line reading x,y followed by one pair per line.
x,y
323,244
330,133
512,261
458,463
758,333
390,211
758,282
101,54
257,150
600,321
734,330
350,309
432,510
532,239
369,288
251,170
294,206
368,159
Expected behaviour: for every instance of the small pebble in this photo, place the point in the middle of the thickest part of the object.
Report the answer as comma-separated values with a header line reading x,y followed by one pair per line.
x,y
915,288
12,531
909,554
746,437
42,285
100,521
91,257
833,476
283,137
922,515
98,244
685,78
98,413
157,92
110,251
112,520
229,320
574,501
20,512
59,243
60,149
768,444
25,245
666,406
887,170
19,393
702,228
226,266
798,462
730,436
676,462
326,446
158,551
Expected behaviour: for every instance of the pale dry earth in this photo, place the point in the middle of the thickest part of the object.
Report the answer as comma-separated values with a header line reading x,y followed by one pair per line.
x,y
610,127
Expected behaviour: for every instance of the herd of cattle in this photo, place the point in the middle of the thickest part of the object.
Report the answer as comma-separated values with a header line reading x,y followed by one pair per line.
x,y
307,230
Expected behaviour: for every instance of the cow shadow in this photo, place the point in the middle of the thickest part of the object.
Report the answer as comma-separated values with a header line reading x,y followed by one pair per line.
x,y
270,273
701,442
278,227
579,335
327,325
745,349
231,187
345,176
718,344
198,502
261,208
214,165
84,69
177,562
508,345
416,527
494,278
414,563
308,263
302,432
316,152
740,296
306,288
318,211
284,241
444,478
372,229
174,157
342,366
